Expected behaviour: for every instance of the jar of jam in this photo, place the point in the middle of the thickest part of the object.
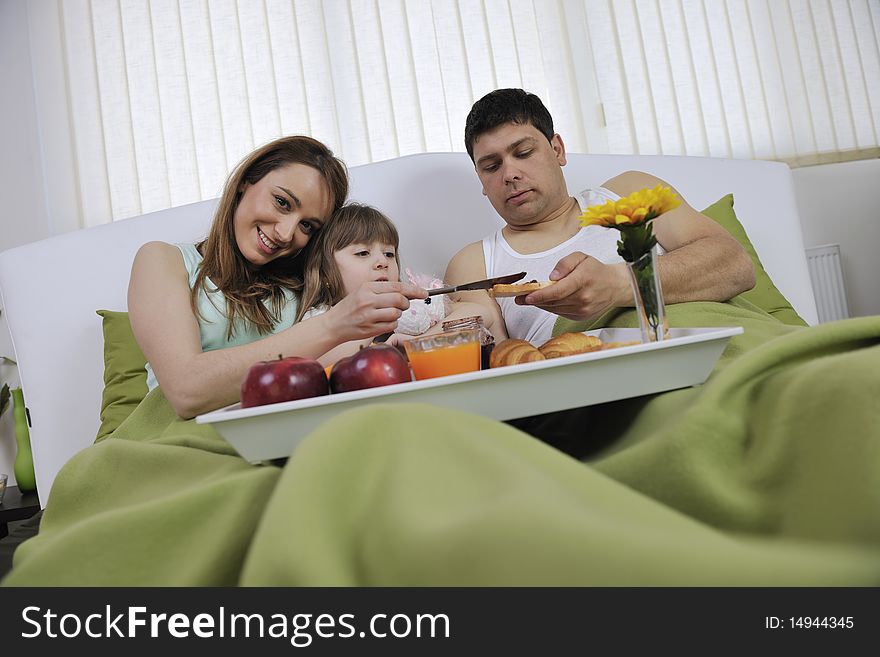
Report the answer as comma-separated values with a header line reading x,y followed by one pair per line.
x,y
487,340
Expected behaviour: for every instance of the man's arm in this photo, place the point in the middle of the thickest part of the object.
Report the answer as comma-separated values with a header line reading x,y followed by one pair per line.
x,y
703,262
466,266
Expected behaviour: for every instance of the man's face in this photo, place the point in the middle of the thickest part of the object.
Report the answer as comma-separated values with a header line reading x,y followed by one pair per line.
x,y
521,172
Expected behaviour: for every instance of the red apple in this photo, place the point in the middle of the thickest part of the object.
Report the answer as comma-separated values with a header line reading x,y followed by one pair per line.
x,y
285,379
376,365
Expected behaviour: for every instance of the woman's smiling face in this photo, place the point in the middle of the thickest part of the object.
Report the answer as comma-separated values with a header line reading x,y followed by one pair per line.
x,y
277,215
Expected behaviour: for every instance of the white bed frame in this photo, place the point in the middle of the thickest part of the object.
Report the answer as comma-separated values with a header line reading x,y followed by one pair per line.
x,y
50,290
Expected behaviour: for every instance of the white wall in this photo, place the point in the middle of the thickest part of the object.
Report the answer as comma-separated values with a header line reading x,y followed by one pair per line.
x,y
840,204
23,216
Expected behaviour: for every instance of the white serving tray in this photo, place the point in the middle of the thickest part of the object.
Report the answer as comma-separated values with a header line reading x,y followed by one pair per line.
x,y
272,431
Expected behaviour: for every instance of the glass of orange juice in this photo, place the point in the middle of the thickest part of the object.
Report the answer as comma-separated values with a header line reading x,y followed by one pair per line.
x,y
440,354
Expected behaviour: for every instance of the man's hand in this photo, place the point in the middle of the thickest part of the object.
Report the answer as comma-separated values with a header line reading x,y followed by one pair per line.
x,y
584,288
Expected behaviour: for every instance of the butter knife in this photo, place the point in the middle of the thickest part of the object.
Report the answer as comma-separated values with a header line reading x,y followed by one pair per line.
x,y
478,285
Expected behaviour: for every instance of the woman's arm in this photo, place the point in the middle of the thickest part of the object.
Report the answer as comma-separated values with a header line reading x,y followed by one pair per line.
x,y
196,382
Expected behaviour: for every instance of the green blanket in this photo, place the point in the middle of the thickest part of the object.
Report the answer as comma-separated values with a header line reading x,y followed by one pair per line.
x,y
767,474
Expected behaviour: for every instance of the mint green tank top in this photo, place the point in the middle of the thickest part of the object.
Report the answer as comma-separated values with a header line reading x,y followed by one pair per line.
x,y
213,322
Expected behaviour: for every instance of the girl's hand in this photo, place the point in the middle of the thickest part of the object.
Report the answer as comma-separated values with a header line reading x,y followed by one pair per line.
x,y
371,310
397,339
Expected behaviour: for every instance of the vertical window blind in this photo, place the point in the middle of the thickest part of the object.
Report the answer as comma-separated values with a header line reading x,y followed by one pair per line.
x,y
160,98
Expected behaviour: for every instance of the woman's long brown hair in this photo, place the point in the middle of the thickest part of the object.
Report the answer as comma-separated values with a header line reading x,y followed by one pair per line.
x,y
353,223
247,288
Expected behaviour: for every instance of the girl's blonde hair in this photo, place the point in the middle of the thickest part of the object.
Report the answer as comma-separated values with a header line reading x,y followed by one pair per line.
x,y
353,223
246,287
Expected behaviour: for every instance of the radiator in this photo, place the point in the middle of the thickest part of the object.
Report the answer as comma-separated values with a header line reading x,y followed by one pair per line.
x,y
826,275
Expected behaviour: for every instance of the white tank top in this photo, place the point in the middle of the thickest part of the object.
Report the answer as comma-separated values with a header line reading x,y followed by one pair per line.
x,y
529,322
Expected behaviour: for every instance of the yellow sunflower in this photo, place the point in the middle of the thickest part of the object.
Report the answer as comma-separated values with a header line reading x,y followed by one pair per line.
x,y
639,207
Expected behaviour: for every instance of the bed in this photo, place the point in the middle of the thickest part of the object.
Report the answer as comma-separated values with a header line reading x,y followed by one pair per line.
x,y
743,525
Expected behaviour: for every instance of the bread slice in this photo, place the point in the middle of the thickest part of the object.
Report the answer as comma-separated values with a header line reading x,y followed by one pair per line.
x,y
516,289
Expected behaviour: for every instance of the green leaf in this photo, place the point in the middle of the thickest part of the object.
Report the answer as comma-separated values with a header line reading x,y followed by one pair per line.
x,y
4,398
635,241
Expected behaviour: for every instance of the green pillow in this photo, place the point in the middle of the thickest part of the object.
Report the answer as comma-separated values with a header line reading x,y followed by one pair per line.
x,y
125,379
764,294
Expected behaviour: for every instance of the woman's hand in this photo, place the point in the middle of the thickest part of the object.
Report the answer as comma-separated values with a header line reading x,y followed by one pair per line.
x,y
371,310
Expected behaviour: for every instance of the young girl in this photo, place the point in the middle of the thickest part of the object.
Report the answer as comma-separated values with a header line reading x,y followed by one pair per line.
x,y
204,313
360,247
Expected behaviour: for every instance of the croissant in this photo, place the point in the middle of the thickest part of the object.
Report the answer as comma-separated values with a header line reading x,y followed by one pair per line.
x,y
568,344
512,352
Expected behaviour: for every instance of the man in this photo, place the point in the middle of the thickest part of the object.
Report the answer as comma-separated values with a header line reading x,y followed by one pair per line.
x,y
518,158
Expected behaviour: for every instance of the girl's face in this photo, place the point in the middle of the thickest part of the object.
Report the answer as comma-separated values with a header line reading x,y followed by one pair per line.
x,y
277,215
362,263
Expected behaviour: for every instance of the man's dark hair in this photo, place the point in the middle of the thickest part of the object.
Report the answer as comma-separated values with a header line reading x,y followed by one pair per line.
x,y
506,106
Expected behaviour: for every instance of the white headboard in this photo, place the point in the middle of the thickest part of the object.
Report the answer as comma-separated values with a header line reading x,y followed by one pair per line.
x,y
49,290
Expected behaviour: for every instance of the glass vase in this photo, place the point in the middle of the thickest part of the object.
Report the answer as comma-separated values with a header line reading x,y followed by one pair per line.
x,y
24,460
644,276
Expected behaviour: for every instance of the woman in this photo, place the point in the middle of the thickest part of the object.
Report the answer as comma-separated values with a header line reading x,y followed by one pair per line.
x,y
204,313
